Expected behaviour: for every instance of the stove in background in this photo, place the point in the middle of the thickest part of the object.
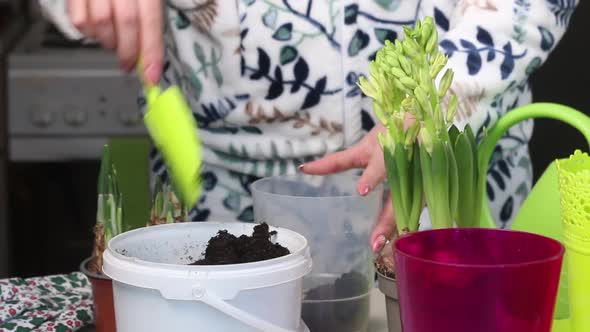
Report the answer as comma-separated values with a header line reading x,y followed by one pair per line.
x,y
65,101
12,24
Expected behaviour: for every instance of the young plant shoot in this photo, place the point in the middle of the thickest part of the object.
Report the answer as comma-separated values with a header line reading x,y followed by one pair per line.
x,y
166,207
109,213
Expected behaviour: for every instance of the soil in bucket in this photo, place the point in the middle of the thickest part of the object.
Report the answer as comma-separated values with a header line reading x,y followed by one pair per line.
x,y
339,306
226,248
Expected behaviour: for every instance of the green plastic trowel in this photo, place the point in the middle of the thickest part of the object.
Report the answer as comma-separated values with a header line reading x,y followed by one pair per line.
x,y
173,129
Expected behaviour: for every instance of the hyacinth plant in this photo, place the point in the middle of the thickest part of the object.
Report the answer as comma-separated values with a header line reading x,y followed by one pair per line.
x,y
109,213
166,207
427,157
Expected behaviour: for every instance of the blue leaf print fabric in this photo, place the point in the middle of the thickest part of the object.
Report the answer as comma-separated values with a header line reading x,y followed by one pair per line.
x,y
272,83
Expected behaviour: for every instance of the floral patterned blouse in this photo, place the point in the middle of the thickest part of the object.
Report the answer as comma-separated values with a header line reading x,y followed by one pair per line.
x,y
272,83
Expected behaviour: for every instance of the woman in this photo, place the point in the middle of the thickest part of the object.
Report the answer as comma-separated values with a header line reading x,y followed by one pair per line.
x,y
273,82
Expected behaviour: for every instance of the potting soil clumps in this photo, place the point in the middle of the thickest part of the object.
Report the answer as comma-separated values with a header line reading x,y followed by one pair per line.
x,y
226,248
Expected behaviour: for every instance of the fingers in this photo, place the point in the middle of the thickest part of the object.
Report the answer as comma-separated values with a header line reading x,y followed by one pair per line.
x,y
132,27
127,32
152,40
78,14
373,174
101,20
341,161
384,228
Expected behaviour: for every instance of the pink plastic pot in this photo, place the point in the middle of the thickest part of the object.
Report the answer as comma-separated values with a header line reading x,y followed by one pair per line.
x,y
465,280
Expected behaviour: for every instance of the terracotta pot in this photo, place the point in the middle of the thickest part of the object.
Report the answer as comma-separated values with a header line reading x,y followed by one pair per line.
x,y
388,287
102,292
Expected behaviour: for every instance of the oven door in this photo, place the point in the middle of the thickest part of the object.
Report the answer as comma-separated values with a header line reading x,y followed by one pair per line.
x,y
12,26
52,214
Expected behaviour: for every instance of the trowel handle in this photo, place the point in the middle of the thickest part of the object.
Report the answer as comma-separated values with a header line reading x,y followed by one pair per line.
x,y
563,113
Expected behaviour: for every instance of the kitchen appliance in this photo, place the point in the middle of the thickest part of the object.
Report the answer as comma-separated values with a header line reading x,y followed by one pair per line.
x,y
66,99
12,23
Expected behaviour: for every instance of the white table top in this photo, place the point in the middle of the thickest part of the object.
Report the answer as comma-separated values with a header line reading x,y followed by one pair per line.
x,y
378,322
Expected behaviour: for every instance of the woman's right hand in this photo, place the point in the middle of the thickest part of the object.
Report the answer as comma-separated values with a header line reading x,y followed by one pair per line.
x,y
131,27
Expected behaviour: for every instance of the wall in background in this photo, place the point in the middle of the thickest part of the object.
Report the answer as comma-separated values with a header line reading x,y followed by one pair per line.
x,y
564,79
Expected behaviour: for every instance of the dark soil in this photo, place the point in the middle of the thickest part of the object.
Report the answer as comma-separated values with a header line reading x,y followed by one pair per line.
x,y
225,248
342,306
384,269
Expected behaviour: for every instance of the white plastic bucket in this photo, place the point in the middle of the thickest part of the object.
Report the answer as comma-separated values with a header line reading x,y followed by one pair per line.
x,y
155,290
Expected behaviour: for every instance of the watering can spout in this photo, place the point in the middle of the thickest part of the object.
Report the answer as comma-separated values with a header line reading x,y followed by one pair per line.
x,y
540,212
547,185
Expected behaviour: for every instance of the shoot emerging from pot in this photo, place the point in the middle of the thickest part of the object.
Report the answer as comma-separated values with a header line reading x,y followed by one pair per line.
x,y
109,213
166,207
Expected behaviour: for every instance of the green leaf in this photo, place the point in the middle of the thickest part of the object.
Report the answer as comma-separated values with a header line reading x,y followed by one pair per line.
x,y
384,34
359,41
453,181
417,191
288,54
182,22
82,315
284,32
453,134
105,167
9,326
58,280
392,177
274,151
199,53
440,186
282,166
350,13
269,167
533,65
466,166
232,202
270,18
228,157
196,84
252,130
247,215
390,5
61,328
249,2
37,321
401,166
426,166
245,154
215,67
59,288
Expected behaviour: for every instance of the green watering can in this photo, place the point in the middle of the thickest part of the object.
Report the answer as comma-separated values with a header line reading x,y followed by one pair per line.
x,y
540,212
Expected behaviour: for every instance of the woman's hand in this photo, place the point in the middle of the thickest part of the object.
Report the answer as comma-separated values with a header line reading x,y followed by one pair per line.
x,y
131,27
366,154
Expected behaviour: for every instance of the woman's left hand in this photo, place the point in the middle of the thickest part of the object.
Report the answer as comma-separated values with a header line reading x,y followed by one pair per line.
x,y
366,154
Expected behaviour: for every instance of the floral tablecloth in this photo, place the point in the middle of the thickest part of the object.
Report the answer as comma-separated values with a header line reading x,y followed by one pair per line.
x,y
57,303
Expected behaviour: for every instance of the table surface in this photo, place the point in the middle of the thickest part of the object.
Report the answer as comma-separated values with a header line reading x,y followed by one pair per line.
x,y
378,321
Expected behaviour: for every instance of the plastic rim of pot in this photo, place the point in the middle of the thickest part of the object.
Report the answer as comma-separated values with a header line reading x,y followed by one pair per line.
x,y
388,287
102,294
156,290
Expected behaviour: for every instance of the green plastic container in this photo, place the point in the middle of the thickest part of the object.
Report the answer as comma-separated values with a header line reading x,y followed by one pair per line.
x,y
540,213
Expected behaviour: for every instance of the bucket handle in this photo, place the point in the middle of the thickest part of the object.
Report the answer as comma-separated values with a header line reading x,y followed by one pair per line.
x,y
554,111
239,314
